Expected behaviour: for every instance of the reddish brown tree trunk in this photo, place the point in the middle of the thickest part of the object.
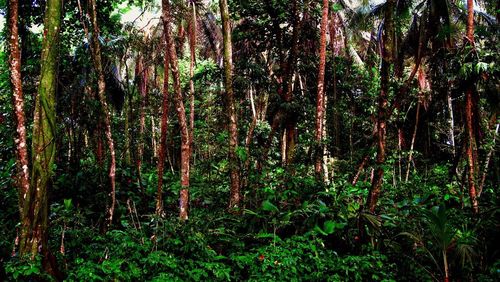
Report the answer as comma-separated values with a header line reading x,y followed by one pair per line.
x,y
470,109
22,177
163,134
234,198
320,97
96,52
181,113
387,59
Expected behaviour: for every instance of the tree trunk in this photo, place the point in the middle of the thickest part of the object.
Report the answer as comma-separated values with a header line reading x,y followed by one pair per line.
x,y
470,109
101,91
164,128
22,177
320,97
234,198
142,74
291,120
387,59
185,146
34,214
192,49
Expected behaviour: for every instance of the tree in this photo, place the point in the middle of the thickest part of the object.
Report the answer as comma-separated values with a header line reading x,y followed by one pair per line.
x,y
320,97
142,74
34,213
387,51
101,91
192,52
22,178
181,114
164,126
234,198
470,110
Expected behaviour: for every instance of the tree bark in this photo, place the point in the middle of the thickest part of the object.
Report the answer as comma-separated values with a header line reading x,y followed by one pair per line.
x,y
181,113
387,60
34,214
164,128
290,117
234,198
470,109
192,51
22,177
101,91
320,97
142,74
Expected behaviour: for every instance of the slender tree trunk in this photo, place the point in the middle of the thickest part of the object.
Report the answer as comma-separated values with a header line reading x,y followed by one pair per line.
x,y
185,148
414,136
487,161
101,90
470,106
320,97
34,214
291,120
142,74
192,49
164,129
234,198
387,60
22,177
335,46
451,121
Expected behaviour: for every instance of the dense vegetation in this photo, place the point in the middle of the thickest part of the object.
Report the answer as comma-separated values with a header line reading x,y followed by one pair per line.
x,y
263,140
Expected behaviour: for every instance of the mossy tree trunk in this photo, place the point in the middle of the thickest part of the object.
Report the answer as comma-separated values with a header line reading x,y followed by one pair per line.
x,y
34,213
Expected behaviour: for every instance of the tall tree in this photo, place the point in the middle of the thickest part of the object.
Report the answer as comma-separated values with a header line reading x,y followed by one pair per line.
x,y
235,196
387,60
320,97
142,74
34,214
181,114
164,127
22,178
288,81
192,62
101,91
470,110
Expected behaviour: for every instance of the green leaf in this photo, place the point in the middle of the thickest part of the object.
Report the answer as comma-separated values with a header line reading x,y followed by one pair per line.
x,y
68,204
268,206
319,230
329,226
336,7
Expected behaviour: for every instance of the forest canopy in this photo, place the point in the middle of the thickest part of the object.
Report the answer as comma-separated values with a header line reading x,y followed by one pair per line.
x,y
263,140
